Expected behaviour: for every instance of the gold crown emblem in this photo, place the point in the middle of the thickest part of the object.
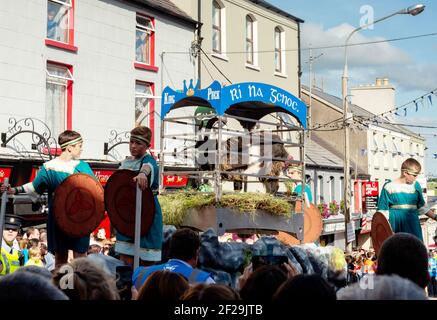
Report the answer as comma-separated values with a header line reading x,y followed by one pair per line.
x,y
190,92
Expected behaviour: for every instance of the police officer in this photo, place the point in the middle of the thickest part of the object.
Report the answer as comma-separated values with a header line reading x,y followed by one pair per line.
x,y
10,254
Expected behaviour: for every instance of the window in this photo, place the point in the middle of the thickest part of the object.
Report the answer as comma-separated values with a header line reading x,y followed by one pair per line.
x,y
59,83
375,145
60,28
143,100
249,40
331,189
319,190
279,53
216,27
145,41
341,185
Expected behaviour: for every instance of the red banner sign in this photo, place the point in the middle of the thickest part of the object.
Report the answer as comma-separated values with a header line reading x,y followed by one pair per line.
x,y
175,181
371,188
103,175
4,173
370,195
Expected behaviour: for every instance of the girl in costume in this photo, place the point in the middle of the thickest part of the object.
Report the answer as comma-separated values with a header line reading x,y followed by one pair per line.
x,y
49,177
144,163
401,200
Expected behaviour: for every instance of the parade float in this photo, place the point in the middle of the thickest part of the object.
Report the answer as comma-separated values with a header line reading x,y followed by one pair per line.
x,y
239,139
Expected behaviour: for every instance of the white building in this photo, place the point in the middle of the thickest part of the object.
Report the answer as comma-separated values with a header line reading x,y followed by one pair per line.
x,y
90,65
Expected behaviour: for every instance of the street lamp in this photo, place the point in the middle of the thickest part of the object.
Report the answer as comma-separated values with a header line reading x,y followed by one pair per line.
x,y
412,10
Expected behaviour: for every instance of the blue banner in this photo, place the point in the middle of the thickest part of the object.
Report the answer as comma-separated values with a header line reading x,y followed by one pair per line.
x,y
221,99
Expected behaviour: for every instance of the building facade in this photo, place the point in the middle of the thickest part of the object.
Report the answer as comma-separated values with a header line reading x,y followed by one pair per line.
x,y
92,66
247,39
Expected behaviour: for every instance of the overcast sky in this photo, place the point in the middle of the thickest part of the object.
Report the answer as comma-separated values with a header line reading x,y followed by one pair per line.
x,y
410,65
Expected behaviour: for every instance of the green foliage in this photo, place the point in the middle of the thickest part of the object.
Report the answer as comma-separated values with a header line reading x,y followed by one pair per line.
x,y
175,205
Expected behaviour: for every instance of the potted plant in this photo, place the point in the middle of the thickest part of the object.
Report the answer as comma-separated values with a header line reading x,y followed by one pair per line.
x,y
334,208
324,211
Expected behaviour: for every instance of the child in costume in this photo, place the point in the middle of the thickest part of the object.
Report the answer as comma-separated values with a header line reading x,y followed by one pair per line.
x,y
49,177
144,163
401,200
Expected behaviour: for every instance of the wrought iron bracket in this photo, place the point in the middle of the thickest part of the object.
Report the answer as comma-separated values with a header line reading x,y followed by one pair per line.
x,y
29,125
116,139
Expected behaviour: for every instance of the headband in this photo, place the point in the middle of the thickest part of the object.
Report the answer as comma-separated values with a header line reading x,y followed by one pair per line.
x,y
140,138
411,171
71,142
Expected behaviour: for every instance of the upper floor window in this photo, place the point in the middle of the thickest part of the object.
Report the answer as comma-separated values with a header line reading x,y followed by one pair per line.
x,y
143,101
250,43
59,84
145,35
216,27
58,20
279,47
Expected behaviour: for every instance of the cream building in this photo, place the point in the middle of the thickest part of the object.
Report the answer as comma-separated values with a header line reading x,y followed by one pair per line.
x,y
247,40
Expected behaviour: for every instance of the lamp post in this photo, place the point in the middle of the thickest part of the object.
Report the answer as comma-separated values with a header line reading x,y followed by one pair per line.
x,y
412,10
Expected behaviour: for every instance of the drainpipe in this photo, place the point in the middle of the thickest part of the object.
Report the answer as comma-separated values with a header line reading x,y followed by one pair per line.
x,y
199,40
299,67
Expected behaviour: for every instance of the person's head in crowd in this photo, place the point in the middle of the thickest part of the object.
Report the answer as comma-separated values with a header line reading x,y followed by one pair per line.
x,y
11,227
262,284
23,244
305,287
43,236
35,254
405,255
82,279
36,270
210,292
43,248
184,245
163,285
32,233
71,143
94,248
27,286
32,243
382,287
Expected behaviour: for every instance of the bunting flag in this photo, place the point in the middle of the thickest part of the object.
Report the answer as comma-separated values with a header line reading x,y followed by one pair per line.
x,y
396,113
405,112
417,106
435,155
422,103
430,99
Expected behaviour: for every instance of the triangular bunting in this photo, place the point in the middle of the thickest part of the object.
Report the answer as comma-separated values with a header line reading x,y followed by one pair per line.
x,y
430,99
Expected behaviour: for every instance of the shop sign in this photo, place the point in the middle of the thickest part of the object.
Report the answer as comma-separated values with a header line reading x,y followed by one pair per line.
x,y
4,173
371,192
175,181
103,175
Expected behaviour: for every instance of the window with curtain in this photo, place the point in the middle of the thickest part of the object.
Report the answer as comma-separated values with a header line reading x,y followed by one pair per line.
x,y
216,27
278,49
144,31
249,40
319,190
331,189
143,98
58,20
59,80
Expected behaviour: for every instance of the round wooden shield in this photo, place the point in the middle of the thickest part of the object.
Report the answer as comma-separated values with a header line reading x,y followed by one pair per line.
x,y
78,205
312,226
120,203
381,230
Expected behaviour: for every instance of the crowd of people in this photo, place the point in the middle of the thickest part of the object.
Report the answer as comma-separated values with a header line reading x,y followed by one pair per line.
x,y
404,270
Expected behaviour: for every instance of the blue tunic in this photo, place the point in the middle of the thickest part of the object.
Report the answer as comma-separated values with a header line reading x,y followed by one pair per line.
x,y
49,177
298,190
404,203
151,242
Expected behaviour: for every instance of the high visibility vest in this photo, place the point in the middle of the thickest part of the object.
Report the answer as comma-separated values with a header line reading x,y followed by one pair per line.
x,y
10,262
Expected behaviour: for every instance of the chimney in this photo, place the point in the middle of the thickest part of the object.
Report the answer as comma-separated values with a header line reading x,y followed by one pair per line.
x,y
379,82
385,81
